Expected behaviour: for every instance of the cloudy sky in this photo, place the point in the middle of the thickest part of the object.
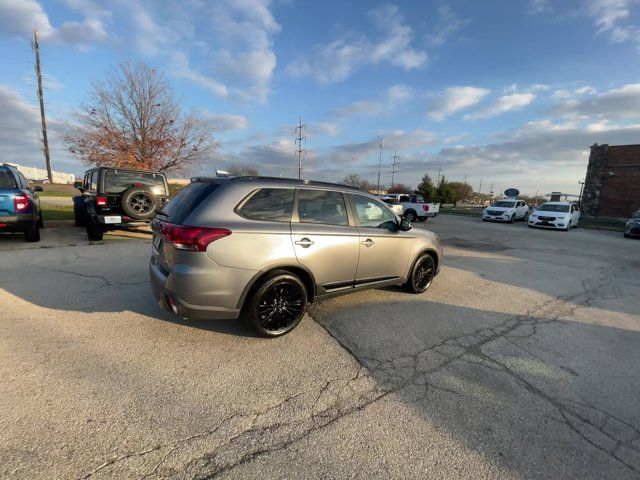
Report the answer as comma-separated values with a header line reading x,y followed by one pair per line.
x,y
513,92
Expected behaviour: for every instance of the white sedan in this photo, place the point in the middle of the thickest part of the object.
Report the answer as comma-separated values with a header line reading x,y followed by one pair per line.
x,y
506,211
558,215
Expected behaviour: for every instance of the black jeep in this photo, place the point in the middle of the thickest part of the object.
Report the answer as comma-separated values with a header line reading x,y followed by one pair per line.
x,y
116,198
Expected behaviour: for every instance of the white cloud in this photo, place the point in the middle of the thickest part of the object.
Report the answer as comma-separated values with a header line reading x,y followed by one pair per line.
x,y
339,59
387,103
539,6
449,23
182,70
20,17
405,140
617,103
325,128
223,122
455,99
505,103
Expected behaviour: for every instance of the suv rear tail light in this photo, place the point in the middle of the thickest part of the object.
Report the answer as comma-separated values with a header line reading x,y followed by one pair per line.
x,y
425,207
184,237
101,201
20,203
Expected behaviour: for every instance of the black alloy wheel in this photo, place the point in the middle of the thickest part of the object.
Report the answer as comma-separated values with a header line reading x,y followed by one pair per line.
x,y
278,305
422,274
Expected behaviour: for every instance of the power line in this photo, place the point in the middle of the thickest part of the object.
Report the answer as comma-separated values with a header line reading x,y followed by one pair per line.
x,y
393,165
45,140
299,138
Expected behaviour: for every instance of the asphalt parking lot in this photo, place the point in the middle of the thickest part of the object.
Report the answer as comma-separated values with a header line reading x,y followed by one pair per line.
x,y
521,361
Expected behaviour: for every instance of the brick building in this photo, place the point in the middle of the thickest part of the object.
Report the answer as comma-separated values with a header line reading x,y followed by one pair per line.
x,y
612,184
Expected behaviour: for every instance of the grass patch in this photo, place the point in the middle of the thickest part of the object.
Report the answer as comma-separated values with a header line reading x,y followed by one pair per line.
x,y
57,212
56,194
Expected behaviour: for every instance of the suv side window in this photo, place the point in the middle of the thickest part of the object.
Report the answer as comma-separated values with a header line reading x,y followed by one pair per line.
x,y
93,185
321,206
269,205
24,182
372,213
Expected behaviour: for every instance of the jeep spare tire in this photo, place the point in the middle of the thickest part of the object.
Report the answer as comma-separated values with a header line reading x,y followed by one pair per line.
x,y
139,203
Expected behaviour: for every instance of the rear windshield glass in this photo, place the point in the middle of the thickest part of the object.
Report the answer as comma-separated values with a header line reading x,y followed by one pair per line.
x,y
6,179
186,201
504,204
553,208
269,204
118,182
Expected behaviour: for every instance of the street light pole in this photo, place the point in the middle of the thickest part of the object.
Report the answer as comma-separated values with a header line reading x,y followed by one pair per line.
x,y
581,182
381,144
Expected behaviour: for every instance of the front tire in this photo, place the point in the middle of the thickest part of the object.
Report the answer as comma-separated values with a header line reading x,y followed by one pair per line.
x,y
278,305
513,218
410,215
422,274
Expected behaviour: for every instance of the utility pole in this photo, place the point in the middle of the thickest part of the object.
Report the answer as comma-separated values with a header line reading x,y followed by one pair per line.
x,y
45,140
465,179
439,170
299,138
581,182
480,189
393,165
381,145
491,193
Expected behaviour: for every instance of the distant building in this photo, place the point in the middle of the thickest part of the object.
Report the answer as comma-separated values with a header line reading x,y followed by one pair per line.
x,y
34,174
612,184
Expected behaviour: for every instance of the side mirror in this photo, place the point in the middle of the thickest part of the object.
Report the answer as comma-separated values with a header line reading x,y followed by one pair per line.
x,y
38,188
405,225
77,185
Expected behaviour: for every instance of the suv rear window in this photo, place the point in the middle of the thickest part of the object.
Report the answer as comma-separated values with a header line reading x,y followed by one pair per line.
x,y
186,201
6,179
269,204
117,181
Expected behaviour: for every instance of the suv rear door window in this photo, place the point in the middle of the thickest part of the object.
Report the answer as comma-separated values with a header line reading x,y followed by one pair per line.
x,y
118,181
6,179
186,201
320,206
269,204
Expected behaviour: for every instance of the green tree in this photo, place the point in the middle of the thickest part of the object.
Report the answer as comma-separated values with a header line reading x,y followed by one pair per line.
x,y
460,191
426,188
444,192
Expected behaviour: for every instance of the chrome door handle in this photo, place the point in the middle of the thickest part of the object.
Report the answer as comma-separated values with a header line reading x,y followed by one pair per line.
x,y
305,242
368,242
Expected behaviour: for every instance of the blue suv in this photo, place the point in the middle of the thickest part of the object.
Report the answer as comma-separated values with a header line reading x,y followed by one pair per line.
x,y
19,204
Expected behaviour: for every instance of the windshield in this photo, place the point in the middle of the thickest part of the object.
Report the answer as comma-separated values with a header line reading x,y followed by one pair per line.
x,y
549,207
504,204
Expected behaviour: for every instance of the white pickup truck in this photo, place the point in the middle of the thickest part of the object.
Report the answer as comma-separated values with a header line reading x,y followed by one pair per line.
x,y
414,206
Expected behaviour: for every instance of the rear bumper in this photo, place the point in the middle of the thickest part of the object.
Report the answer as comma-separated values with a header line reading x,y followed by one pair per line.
x,y
17,223
172,301
123,223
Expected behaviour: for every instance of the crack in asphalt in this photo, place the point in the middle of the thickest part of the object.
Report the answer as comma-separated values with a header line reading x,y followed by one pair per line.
x,y
263,432
106,281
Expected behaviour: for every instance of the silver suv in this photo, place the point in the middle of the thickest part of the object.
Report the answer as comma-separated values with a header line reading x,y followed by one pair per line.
x,y
264,248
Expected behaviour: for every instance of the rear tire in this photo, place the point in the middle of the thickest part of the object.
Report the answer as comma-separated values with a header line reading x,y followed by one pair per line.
x,y
95,232
32,233
422,274
278,304
626,235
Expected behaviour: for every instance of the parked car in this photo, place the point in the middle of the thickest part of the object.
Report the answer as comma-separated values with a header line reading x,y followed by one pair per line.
x,y
509,210
115,198
395,206
558,215
415,208
19,204
264,248
632,228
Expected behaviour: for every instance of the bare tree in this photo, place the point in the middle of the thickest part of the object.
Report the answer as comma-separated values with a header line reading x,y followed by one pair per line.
x,y
354,180
400,188
243,170
132,120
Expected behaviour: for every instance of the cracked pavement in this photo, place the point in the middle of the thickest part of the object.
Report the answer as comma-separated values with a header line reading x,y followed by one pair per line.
x,y
521,361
